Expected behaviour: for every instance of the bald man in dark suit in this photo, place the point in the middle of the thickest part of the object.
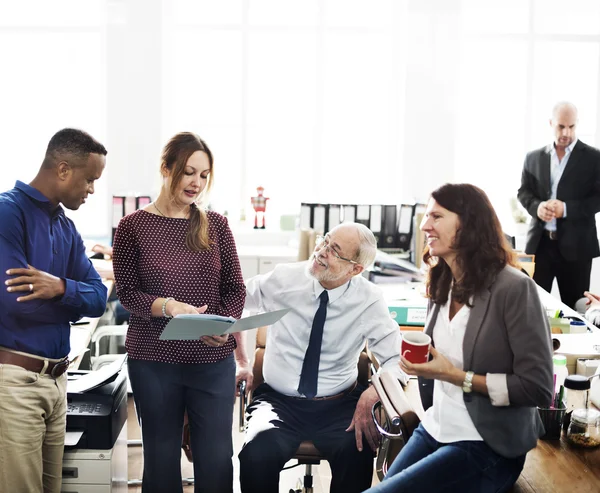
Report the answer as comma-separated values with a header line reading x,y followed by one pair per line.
x,y
560,188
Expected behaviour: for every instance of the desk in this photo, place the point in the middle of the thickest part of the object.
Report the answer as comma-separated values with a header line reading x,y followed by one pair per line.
x,y
551,466
573,346
81,334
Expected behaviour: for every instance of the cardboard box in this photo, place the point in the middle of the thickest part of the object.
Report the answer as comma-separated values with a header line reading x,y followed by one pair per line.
x,y
587,367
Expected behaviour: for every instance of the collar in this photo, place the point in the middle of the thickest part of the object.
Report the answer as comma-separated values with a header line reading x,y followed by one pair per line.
x,y
568,149
39,197
334,294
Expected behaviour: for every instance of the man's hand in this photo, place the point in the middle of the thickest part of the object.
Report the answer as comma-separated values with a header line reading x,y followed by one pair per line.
x,y
557,207
35,284
243,372
439,368
362,421
593,300
545,211
103,249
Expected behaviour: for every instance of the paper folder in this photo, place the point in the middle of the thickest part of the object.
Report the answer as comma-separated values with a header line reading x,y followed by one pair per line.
x,y
190,327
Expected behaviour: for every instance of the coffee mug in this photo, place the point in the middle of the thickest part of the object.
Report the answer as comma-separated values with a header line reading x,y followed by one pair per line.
x,y
415,347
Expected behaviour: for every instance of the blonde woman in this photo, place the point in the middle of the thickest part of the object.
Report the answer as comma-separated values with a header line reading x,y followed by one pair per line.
x,y
171,258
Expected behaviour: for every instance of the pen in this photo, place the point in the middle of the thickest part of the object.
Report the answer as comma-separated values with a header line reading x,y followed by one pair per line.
x,y
559,403
80,322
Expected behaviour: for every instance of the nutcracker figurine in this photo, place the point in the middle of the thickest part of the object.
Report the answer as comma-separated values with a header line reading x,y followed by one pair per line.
x,y
260,205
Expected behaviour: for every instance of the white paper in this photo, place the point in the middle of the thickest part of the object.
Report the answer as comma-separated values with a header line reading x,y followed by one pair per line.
x,y
72,438
193,327
95,378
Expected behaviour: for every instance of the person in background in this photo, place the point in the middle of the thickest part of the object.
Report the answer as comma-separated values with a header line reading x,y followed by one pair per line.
x,y
172,258
49,282
105,250
491,357
560,188
592,313
310,389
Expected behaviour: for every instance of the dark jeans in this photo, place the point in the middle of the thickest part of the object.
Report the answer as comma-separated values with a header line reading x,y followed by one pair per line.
x,y
278,423
162,392
429,466
573,278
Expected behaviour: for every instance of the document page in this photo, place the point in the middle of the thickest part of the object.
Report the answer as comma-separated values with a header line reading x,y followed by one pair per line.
x,y
193,327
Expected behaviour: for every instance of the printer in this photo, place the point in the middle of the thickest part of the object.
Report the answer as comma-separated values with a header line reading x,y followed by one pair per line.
x,y
99,413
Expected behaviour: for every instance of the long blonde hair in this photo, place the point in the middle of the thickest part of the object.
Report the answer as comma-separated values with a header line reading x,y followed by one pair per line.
x,y
174,157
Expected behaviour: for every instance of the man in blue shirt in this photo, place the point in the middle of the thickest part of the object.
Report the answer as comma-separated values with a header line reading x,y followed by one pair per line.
x,y
49,282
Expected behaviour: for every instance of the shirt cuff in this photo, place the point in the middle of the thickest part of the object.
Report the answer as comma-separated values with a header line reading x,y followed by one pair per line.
x,y
396,372
593,315
565,209
70,295
497,386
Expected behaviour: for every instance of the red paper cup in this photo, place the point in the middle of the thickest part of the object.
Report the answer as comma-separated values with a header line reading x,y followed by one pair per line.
x,y
415,347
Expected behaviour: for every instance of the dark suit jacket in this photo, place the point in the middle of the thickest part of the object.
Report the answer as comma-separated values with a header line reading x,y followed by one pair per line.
x,y
507,333
579,188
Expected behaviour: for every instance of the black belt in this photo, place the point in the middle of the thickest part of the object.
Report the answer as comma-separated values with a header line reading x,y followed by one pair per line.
x,y
553,235
55,368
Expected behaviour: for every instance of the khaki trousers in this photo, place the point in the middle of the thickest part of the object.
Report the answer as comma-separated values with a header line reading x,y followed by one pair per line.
x,y
33,410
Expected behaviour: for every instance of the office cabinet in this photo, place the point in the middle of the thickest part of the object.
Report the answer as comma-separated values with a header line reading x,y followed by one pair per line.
x,y
96,471
249,266
262,259
267,264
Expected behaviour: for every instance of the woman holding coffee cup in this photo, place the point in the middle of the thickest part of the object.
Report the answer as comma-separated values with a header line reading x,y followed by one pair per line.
x,y
490,357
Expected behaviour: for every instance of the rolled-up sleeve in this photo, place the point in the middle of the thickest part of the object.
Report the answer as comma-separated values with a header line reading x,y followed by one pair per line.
x,y
498,389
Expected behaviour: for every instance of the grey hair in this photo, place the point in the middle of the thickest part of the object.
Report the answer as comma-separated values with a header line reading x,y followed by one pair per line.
x,y
562,105
368,244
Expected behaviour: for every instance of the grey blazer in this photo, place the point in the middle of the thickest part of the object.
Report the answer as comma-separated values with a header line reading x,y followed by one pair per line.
x,y
508,333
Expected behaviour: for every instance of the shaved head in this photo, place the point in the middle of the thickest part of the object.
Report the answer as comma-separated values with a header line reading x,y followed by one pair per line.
x,y
562,107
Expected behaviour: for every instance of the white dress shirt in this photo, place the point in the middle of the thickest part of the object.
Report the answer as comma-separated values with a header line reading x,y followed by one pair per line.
x,y
557,166
448,420
356,312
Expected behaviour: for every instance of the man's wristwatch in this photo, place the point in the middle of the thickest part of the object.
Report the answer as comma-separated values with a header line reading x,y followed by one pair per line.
x,y
467,385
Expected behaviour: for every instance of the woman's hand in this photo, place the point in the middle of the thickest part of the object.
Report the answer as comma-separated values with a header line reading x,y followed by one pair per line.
x,y
593,300
439,368
215,341
174,307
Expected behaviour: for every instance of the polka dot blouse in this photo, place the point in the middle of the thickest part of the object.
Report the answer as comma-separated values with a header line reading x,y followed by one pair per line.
x,y
150,261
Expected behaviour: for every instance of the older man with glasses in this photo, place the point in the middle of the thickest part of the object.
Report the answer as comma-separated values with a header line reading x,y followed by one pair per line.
x,y
310,389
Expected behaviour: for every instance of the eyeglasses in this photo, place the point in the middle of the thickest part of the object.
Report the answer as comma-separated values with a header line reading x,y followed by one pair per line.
x,y
323,242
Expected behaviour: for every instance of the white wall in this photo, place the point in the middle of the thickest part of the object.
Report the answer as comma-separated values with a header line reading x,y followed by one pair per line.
x,y
325,100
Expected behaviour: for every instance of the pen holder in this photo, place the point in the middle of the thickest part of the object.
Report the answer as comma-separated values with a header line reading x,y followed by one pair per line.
x,y
552,419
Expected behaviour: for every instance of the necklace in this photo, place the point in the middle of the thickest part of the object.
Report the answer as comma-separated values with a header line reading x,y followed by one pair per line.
x,y
159,211
164,215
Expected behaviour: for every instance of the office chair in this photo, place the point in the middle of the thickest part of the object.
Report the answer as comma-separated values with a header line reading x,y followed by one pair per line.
x,y
395,419
307,454
115,334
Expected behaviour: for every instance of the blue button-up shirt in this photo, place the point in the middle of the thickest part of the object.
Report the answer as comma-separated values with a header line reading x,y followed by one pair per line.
x,y
33,232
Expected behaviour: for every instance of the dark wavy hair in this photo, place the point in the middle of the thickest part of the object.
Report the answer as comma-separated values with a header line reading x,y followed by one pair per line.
x,y
175,156
481,247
